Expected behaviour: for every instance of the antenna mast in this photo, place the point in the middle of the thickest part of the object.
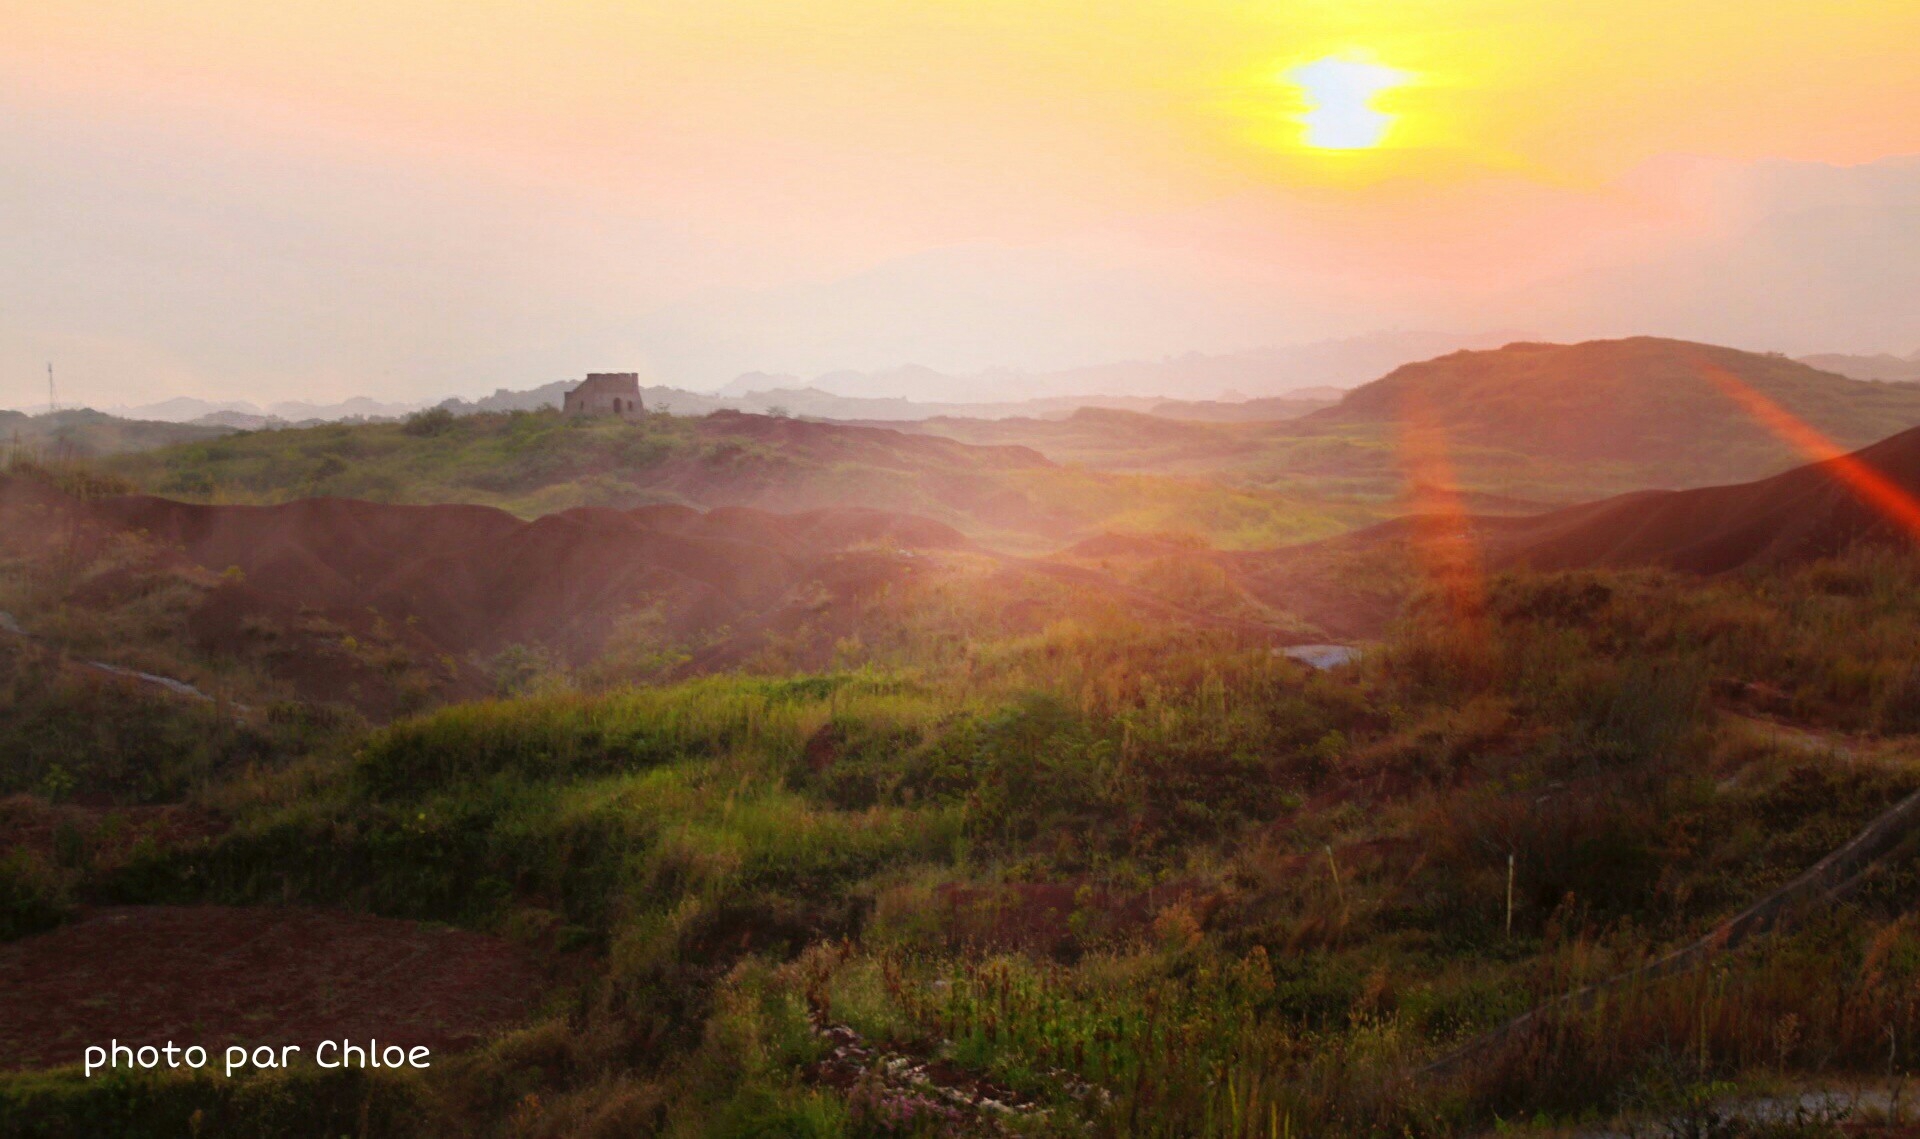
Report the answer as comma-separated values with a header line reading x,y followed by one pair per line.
x,y
53,404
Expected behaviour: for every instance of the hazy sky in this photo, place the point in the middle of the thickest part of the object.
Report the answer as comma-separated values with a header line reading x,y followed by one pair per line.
x,y
411,199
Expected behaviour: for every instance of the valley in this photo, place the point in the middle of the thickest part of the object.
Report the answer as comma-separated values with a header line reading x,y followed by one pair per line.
x,y
755,775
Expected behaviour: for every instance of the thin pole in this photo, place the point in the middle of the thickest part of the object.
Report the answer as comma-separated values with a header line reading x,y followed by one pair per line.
x,y
52,403
1509,897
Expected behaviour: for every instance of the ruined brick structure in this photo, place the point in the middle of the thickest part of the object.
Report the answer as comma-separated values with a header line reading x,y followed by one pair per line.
x,y
606,393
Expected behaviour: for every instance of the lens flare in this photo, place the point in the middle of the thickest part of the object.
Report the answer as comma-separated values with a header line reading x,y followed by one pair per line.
x,y
1876,490
1441,530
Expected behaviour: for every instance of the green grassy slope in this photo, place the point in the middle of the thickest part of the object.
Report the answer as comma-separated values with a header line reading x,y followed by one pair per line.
x,y
537,463
1130,882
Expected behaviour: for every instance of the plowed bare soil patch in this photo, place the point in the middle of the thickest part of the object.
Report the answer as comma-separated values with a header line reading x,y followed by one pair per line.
x,y
213,976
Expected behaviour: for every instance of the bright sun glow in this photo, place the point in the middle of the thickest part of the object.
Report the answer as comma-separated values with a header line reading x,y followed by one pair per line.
x,y
1340,91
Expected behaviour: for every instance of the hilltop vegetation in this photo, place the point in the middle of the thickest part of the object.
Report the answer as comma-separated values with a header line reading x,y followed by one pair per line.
x,y
535,463
64,436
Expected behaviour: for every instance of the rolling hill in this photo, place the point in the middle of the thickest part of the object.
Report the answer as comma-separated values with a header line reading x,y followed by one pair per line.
x,y
1645,404
1528,426
387,607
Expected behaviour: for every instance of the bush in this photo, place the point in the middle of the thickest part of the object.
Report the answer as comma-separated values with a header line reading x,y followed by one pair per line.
x,y
65,734
299,1103
556,737
432,421
32,897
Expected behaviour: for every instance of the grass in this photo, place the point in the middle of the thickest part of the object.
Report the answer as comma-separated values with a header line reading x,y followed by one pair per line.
x,y
533,463
1152,881
514,461
1364,466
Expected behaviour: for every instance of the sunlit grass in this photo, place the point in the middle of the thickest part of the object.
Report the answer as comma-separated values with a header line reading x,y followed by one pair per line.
x,y
1156,880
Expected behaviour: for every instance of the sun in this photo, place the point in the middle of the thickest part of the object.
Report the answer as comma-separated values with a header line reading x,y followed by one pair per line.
x,y
1340,91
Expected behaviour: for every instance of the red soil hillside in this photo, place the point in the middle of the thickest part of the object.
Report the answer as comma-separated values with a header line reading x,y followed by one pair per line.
x,y
307,585
388,607
473,578
1805,513
1352,585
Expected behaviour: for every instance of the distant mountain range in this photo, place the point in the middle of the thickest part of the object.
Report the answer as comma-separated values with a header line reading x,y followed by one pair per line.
x,y
804,402
1190,386
244,415
82,434
1256,384
1231,377
1885,366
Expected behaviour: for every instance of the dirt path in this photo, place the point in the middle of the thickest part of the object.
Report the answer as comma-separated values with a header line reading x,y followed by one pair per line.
x,y
10,626
1795,737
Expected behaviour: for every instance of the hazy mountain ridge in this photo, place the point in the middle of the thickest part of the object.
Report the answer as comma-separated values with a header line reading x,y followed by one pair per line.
x,y
1883,366
83,434
1260,373
187,409
805,401
1313,371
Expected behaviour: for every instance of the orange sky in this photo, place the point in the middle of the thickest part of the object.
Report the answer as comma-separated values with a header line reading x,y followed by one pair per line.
x,y
760,143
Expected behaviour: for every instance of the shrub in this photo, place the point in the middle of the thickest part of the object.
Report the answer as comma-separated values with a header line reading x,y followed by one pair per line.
x,y
432,421
32,897
294,1104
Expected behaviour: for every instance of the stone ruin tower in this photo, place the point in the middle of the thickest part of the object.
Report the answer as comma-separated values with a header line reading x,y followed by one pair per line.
x,y
606,393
